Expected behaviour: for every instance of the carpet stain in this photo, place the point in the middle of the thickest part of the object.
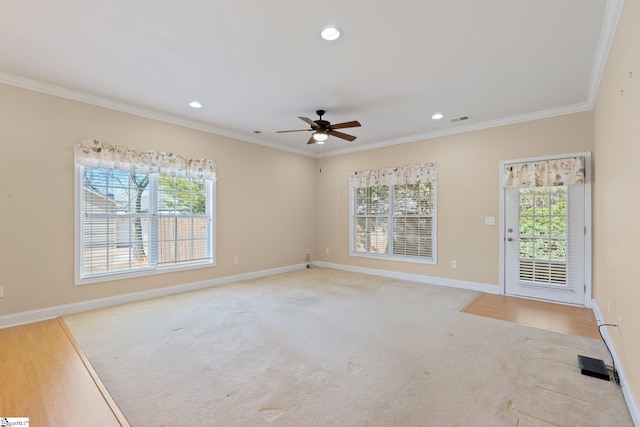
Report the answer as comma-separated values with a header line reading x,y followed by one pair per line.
x,y
354,367
506,407
271,414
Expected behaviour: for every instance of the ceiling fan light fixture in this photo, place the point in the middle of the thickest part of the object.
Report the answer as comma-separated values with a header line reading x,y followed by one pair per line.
x,y
330,33
320,137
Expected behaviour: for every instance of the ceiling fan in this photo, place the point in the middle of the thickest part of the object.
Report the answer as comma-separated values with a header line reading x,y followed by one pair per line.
x,y
322,129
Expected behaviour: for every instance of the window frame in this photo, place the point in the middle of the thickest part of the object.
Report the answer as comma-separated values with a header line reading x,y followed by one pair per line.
x,y
390,256
152,269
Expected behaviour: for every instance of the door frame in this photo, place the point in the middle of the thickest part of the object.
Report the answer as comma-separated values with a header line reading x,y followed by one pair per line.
x,y
587,220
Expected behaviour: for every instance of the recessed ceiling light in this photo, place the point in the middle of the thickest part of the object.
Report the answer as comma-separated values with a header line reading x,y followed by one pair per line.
x,y
330,33
437,116
195,104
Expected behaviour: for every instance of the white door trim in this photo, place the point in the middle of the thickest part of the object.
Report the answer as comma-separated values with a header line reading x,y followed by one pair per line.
x,y
587,219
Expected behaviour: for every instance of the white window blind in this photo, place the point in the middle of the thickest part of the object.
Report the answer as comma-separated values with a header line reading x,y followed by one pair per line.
x,y
413,220
115,221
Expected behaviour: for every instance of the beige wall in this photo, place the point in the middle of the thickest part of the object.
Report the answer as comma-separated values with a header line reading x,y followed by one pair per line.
x,y
468,191
617,200
265,198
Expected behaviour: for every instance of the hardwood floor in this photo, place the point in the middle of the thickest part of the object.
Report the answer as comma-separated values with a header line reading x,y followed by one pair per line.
x,y
545,315
45,377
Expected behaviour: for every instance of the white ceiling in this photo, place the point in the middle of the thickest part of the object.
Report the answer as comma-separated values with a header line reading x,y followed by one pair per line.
x,y
258,65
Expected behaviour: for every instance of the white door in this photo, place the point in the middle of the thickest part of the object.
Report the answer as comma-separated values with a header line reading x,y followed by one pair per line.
x,y
545,241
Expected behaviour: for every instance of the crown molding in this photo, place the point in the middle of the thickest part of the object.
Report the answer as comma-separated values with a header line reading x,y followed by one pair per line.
x,y
613,10
85,98
545,114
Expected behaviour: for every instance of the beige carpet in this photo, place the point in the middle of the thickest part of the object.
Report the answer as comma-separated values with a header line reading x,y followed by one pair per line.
x,y
321,347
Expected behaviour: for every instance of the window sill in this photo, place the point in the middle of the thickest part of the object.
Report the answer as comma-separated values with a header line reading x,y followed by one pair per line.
x,y
108,277
385,257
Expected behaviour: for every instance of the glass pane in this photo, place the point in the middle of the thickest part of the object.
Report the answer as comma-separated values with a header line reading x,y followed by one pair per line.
x,y
559,201
413,199
542,201
541,226
182,195
526,248
526,225
558,225
526,202
541,248
371,235
558,250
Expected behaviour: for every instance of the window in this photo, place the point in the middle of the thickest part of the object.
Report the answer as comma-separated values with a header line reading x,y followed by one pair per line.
x,y
394,221
132,223
135,222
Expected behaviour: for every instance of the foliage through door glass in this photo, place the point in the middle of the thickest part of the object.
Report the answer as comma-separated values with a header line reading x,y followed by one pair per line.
x,y
543,234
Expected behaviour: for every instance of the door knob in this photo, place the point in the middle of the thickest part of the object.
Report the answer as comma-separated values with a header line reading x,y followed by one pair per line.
x,y
510,230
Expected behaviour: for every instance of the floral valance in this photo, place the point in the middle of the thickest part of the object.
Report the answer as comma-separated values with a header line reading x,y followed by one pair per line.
x,y
547,173
94,153
410,174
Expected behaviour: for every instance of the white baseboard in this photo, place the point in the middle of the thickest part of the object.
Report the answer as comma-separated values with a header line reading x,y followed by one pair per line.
x,y
31,316
627,392
452,283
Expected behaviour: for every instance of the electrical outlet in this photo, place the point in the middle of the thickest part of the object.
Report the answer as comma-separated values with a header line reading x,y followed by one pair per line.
x,y
1,291
236,260
307,251
608,305
327,251
454,264
620,324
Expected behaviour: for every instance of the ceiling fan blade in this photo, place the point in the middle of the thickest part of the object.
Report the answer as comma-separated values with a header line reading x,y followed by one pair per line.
x,y
342,135
310,122
353,124
297,130
311,140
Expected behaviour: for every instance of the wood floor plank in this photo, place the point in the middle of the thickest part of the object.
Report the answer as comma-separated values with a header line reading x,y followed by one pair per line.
x,y
44,378
540,314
